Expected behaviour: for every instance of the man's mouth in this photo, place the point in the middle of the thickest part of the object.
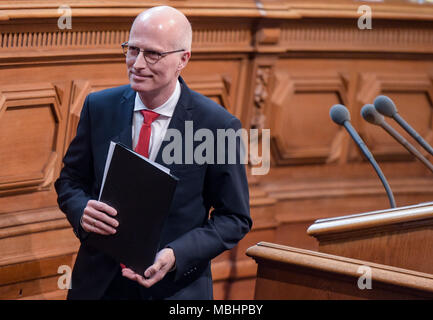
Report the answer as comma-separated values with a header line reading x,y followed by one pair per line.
x,y
141,76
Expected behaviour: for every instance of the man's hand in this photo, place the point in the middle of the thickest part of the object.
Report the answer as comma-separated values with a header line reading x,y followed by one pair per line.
x,y
164,262
95,218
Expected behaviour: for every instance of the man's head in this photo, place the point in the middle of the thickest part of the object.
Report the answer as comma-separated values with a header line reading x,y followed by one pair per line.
x,y
158,30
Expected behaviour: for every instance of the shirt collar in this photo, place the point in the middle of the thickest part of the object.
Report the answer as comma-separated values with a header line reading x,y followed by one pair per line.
x,y
167,108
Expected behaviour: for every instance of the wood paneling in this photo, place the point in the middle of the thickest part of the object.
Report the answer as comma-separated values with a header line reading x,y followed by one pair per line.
x,y
292,273
398,237
279,65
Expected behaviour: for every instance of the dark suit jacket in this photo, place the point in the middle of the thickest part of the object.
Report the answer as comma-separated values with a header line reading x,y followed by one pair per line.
x,y
195,236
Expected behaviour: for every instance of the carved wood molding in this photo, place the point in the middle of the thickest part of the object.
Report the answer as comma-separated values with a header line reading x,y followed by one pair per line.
x,y
222,39
62,39
216,87
19,97
80,90
21,39
41,245
262,90
93,42
374,84
26,222
332,189
285,111
333,266
320,35
270,9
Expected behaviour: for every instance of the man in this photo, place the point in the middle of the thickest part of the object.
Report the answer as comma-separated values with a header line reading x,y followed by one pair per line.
x,y
159,47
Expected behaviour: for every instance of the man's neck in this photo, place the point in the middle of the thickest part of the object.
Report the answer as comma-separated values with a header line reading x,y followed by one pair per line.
x,y
153,100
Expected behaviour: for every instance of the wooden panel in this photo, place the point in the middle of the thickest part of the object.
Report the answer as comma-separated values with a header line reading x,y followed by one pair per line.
x,y
398,237
412,94
301,104
31,125
291,273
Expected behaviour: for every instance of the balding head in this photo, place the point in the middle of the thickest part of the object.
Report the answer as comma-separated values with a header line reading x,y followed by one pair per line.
x,y
169,23
163,35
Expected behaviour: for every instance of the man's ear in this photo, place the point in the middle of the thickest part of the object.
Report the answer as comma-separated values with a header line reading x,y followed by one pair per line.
x,y
184,60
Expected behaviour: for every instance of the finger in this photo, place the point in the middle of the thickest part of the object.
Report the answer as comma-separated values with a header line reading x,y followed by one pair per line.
x,y
128,273
101,206
98,230
101,216
92,225
153,269
156,277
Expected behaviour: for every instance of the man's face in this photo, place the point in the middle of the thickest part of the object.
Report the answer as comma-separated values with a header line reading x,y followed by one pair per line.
x,y
153,79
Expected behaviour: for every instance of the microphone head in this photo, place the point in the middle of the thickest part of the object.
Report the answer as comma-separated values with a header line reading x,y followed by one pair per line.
x,y
385,106
339,114
370,114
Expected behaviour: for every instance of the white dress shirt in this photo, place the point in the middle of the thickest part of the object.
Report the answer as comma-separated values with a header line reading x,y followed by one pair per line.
x,y
159,126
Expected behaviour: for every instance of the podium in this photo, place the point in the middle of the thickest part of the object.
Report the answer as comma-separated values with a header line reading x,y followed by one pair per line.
x,y
400,237
290,273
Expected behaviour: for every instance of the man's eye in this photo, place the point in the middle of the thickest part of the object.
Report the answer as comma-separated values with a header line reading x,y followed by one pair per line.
x,y
152,54
133,50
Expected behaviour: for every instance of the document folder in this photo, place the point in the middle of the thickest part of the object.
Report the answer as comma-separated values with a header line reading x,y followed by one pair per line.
x,y
141,191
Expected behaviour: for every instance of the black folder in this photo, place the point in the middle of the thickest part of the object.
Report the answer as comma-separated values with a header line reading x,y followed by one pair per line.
x,y
141,191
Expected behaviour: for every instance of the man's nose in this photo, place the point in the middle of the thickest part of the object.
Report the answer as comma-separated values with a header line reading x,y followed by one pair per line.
x,y
140,62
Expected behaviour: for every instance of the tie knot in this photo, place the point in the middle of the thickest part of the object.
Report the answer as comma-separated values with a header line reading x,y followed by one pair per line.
x,y
149,116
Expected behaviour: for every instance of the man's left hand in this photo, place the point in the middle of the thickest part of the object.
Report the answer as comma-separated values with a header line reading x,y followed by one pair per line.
x,y
164,262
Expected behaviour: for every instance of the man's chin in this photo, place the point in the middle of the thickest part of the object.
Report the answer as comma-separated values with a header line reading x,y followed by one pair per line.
x,y
137,86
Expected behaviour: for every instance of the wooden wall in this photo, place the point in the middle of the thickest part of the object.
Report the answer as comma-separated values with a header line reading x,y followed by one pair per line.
x,y
275,64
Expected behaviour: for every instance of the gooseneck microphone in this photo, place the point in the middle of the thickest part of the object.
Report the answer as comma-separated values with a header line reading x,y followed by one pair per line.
x,y
386,106
370,114
341,116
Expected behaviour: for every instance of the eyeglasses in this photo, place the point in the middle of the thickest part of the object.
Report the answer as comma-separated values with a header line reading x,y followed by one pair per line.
x,y
150,56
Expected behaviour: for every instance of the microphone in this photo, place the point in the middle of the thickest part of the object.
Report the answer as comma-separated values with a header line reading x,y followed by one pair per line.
x,y
341,116
370,114
386,106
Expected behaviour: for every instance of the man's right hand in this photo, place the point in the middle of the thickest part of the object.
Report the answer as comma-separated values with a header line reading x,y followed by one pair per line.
x,y
96,218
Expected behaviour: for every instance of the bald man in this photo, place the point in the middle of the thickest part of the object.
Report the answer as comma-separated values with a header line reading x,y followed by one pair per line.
x,y
210,208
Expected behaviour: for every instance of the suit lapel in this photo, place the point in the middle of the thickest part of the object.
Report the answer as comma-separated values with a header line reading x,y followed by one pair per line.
x,y
121,112
124,116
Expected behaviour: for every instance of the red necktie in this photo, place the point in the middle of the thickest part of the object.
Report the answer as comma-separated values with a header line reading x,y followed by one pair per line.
x,y
144,139
142,146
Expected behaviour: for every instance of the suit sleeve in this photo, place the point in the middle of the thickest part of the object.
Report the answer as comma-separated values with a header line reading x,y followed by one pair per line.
x,y
75,181
226,190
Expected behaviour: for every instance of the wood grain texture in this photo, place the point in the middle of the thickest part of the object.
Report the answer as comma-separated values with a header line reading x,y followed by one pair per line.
x,y
292,273
400,237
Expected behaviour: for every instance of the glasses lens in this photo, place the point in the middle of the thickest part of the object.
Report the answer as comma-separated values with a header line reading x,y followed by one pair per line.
x,y
151,57
132,51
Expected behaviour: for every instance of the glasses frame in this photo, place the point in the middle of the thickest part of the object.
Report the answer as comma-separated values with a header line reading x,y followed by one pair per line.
x,y
160,54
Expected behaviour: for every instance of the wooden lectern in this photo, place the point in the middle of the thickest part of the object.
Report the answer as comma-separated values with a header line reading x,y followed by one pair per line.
x,y
291,273
400,237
